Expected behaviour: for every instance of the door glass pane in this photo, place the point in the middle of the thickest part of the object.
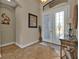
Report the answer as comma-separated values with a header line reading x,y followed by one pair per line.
x,y
60,24
46,27
57,23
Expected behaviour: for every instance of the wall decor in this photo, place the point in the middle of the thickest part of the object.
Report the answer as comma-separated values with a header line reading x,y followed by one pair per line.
x,y
32,20
40,33
5,19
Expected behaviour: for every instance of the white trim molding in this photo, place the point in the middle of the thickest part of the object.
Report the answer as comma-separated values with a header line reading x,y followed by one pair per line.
x,y
7,44
19,45
29,44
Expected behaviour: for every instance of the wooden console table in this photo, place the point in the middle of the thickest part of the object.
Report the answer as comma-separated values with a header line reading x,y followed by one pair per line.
x,y
69,46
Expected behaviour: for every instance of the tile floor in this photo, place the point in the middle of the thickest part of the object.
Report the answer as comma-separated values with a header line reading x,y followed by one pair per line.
x,y
37,51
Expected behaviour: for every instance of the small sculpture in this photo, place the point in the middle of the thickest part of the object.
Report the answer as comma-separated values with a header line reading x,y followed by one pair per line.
x,y
40,37
70,31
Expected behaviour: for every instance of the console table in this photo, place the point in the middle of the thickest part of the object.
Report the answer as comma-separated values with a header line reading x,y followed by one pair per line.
x,y
70,48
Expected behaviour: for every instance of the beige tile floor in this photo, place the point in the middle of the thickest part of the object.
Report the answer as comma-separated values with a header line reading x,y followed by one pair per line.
x,y
37,51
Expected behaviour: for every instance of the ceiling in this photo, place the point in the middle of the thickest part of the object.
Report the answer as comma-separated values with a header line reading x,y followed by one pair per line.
x,y
10,3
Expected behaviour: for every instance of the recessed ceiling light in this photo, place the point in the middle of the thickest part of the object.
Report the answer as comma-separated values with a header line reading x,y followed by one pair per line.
x,y
9,0
43,1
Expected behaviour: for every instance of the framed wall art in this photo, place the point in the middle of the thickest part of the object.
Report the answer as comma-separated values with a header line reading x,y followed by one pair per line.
x,y
32,20
5,19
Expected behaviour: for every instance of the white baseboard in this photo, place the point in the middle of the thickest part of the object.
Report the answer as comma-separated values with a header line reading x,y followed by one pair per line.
x,y
23,46
19,45
7,44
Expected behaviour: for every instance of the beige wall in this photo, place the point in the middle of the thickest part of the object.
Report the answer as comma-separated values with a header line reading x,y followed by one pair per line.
x,y
72,3
25,35
7,32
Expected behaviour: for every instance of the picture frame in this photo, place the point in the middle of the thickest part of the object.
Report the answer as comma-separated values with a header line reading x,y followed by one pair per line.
x,y
5,19
32,20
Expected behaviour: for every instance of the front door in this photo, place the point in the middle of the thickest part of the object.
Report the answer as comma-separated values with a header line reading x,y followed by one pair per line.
x,y
55,24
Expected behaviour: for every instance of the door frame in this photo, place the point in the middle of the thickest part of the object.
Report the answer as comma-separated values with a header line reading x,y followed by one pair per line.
x,y
53,10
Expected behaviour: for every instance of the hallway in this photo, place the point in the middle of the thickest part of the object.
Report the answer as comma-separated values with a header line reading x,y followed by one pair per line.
x,y
34,29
